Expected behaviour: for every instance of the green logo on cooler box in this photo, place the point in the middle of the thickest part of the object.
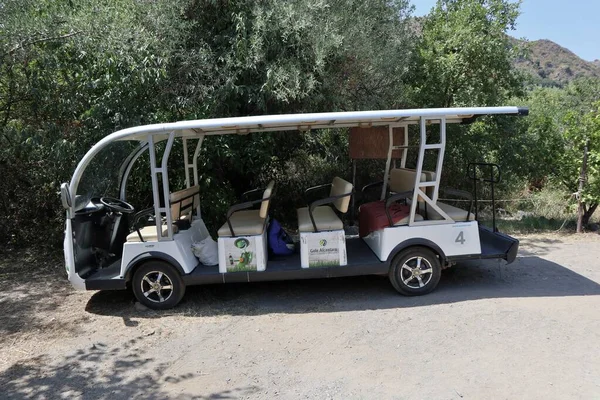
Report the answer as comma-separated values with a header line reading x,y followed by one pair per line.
x,y
241,243
323,242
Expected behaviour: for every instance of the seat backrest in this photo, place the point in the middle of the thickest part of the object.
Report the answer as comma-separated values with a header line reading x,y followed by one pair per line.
x,y
339,187
403,179
184,202
267,195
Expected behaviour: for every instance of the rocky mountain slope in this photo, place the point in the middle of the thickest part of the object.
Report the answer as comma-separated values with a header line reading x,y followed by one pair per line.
x,y
551,64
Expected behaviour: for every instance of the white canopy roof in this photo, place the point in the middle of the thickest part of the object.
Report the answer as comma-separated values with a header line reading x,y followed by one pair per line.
x,y
285,122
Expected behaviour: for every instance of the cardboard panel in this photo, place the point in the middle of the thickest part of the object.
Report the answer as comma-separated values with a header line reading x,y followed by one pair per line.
x,y
373,142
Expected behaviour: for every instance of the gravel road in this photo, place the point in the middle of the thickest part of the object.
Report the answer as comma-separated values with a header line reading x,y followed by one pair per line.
x,y
527,330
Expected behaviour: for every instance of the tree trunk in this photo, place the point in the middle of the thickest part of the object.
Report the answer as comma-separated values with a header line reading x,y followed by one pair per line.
x,y
582,179
588,214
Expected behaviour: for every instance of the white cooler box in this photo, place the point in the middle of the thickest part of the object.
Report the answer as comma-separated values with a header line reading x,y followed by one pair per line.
x,y
323,249
243,253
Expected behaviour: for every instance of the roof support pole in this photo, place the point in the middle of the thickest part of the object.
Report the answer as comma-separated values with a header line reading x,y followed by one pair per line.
x,y
165,184
420,160
440,159
405,150
186,163
195,159
154,179
195,169
194,165
353,198
420,186
158,210
388,162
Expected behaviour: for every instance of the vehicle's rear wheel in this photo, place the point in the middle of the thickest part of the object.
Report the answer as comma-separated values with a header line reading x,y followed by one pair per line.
x,y
158,285
415,271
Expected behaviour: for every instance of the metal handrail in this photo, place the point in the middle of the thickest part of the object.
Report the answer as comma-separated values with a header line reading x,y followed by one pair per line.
x,y
472,169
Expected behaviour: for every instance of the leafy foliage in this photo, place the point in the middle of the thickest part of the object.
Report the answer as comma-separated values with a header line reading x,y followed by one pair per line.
x,y
73,72
466,56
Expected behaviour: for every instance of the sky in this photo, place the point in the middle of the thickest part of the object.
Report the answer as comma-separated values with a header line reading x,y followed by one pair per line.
x,y
574,24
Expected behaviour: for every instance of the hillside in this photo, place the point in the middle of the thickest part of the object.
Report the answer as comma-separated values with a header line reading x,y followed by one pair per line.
x,y
552,64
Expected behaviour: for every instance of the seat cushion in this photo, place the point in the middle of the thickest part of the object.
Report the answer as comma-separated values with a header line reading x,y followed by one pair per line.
x,y
325,218
244,223
404,221
372,216
457,214
149,233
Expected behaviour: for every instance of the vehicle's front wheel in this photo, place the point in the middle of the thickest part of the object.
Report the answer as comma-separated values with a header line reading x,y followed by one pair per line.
x,y
158,285
415,271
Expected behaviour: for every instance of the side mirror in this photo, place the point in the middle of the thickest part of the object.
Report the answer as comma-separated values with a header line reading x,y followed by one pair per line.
x,y
65,195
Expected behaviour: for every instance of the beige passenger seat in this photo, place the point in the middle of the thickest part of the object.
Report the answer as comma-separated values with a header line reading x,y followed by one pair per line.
x,y
182,205
245,222
457,214
325,218
184,202
403,180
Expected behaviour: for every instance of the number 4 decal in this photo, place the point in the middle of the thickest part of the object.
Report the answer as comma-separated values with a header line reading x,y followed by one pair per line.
x,y
460,238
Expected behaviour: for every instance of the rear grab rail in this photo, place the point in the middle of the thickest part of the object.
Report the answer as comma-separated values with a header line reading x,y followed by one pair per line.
x,y
492,178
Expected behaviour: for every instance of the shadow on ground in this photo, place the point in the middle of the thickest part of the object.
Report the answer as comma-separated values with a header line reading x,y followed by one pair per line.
x,y
100,372
33,306
35,288
527,277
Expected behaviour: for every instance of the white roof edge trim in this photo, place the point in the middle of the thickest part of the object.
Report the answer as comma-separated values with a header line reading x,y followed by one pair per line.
x,y
216,125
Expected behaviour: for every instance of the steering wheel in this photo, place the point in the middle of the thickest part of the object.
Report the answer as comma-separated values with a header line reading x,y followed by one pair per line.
x,y
117,205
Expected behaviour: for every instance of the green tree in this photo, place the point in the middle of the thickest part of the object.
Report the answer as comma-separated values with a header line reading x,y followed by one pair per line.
x,y
70,73
73,72
559,142
464,58
465,54
580,162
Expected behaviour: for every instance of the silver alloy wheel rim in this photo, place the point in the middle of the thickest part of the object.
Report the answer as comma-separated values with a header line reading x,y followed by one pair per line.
x,y
157,286
416,272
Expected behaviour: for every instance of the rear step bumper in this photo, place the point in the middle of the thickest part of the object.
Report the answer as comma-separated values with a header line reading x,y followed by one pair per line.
x,y
494,245
497,245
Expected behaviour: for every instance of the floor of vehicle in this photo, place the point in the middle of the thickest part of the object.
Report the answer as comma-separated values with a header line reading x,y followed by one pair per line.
x,y
361,261
102,277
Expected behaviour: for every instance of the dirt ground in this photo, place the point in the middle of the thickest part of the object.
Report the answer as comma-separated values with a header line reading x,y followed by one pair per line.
x,y
526,330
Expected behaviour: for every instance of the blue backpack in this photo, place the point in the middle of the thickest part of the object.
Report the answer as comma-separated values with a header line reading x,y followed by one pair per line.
x,y
279,242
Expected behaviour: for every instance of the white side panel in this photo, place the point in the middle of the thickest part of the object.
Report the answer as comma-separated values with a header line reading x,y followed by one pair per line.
x,y
461,238
180,248
75,280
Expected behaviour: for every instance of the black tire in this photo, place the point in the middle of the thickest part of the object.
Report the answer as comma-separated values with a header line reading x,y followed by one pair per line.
x,y
157,297
410,280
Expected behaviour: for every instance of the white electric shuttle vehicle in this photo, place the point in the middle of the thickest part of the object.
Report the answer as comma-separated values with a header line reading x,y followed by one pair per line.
x,y
407,233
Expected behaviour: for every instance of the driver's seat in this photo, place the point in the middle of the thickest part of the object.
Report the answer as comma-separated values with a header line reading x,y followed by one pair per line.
x,y
148,234
143,233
